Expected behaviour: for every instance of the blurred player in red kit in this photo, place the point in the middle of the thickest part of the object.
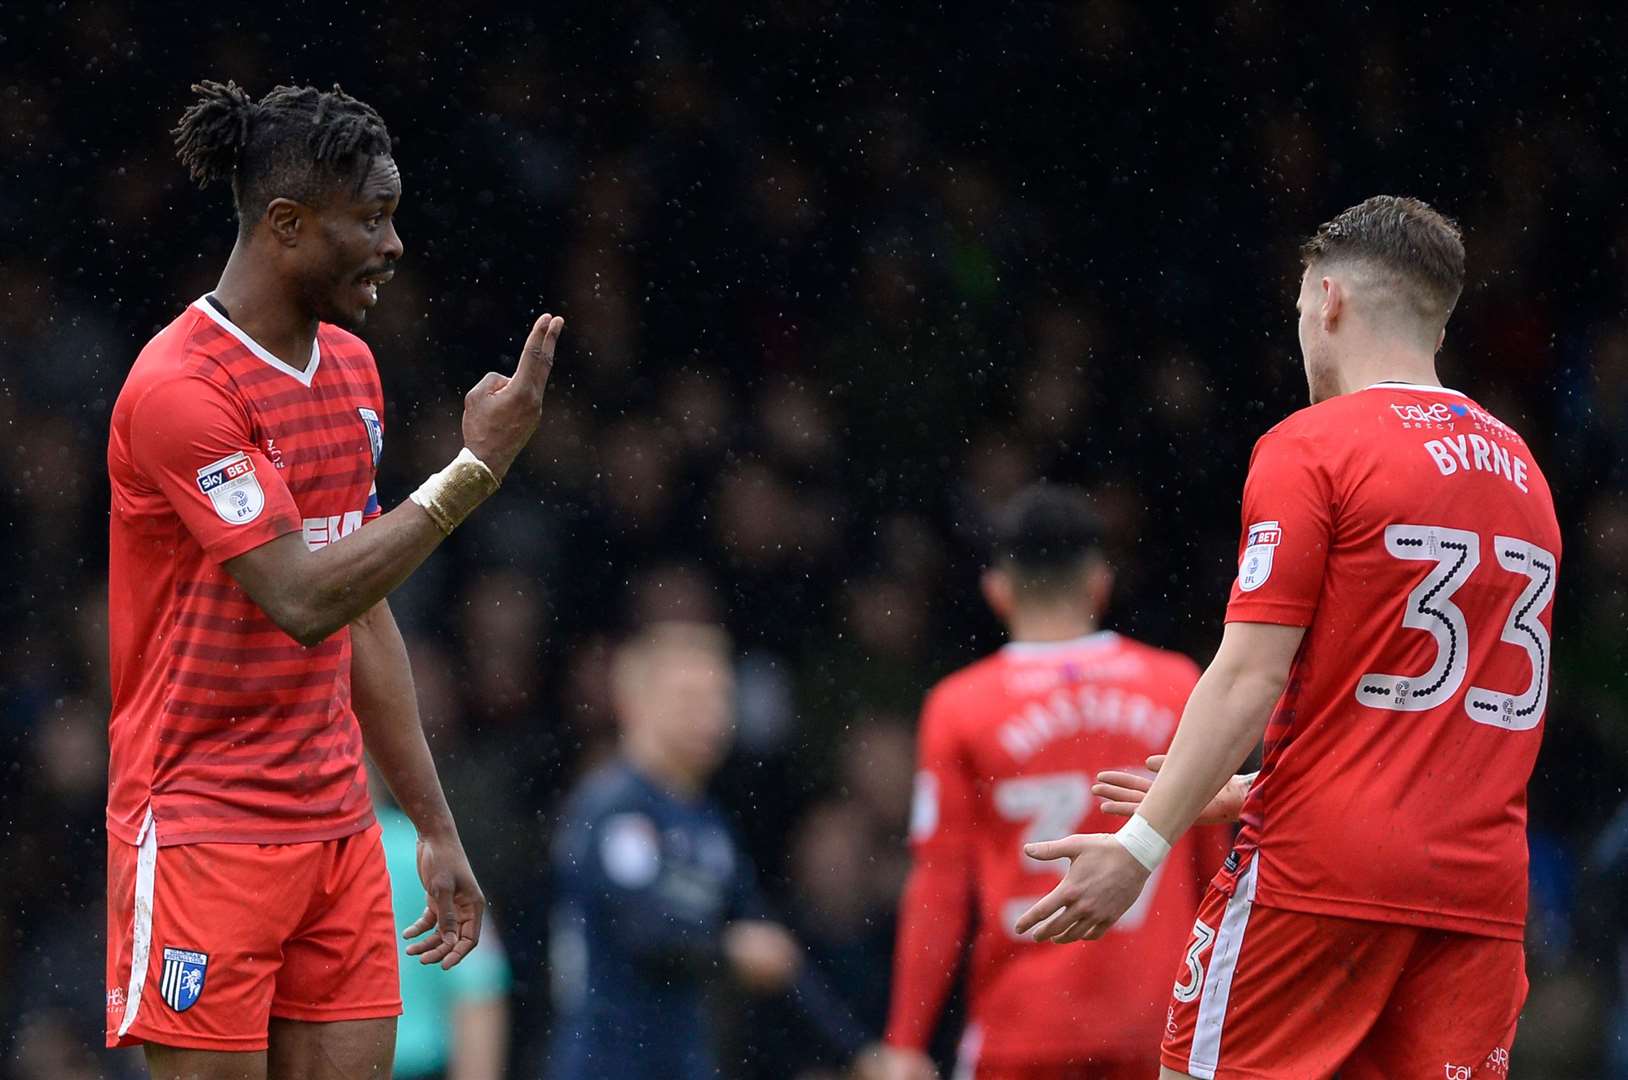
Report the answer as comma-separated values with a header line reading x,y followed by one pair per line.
x,y
1008,747
253,653
1388,632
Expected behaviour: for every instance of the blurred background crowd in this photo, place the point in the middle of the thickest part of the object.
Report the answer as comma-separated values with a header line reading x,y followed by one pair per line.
x,y
838,279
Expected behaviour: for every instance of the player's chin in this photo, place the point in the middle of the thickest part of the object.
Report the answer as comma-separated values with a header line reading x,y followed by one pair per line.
x,y
348,312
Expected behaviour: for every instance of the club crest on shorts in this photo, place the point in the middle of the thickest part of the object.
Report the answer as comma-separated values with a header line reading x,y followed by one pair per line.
x,y
375,432
232,486
1256,565
183,980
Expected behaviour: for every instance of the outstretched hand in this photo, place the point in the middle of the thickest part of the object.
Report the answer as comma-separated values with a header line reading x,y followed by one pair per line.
x,y
502,411
1101,884
1122,793
453,905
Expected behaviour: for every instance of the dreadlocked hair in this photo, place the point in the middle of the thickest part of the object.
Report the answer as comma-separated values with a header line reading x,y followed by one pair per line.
x,y
297,142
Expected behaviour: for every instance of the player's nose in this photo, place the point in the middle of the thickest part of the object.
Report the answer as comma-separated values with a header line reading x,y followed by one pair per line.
x,y
392,248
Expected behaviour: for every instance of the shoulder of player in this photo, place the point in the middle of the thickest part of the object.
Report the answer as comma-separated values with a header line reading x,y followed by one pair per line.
x,y
967,682
1176,663
1316,422
185,347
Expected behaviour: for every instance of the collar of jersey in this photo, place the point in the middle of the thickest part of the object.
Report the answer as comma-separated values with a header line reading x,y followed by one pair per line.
x,y
303,377
1415,386
1045,648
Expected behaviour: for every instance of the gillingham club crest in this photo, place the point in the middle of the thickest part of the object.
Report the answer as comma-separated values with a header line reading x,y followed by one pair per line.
x,y
375,432
183,980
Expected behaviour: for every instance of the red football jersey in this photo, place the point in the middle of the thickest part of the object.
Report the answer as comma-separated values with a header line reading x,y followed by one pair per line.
x,y
1412,534
224,729
1009,748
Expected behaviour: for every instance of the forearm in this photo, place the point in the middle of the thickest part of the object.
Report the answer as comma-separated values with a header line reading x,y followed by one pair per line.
x,y
310,594
1223,722
387,709
934,914
344,580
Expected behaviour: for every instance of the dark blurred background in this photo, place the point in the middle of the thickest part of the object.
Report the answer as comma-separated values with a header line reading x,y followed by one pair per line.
x,y
838,280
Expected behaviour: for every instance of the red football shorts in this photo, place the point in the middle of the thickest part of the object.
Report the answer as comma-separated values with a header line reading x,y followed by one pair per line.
x,y
1269,994
207,942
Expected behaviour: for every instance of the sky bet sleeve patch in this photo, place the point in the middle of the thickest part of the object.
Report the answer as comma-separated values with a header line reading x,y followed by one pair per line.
x,y
232,486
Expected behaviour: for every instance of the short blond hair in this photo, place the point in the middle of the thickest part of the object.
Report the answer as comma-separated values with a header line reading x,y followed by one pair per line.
x,y
630,665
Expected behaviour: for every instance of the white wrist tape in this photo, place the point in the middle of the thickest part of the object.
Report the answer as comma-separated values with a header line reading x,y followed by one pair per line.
x,y
452,494
1143,842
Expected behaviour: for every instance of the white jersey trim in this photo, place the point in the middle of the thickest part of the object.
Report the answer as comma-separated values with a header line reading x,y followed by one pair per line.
x,y
141,919
305,377
1416,386
1046,648
1212,1004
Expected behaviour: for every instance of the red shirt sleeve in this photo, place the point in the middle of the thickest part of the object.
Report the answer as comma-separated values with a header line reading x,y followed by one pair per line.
x,y
935,911
192,441
1288,521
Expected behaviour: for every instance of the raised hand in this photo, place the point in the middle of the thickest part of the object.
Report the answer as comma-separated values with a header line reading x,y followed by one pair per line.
x,y
1101,884
1122,792
501,412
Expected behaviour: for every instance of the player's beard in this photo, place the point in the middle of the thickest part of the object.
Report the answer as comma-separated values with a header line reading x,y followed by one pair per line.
x,y
331,300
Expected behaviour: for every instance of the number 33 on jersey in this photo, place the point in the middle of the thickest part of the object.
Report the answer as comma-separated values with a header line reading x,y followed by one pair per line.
x,y
1414,537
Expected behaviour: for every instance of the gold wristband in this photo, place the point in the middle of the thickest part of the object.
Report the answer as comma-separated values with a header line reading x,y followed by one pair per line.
x,y
452,494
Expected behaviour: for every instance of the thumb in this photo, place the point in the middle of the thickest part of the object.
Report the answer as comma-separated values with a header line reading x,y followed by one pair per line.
x,y
1045,850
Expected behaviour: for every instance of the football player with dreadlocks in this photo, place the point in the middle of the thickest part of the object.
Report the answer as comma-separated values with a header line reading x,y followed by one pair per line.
x,y
253,652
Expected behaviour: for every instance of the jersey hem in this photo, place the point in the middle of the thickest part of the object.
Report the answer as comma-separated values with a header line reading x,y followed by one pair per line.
x,y
1371,911
250,836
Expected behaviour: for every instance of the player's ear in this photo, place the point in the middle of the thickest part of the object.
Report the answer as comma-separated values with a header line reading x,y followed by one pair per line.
x,y
1333,302
1099,586
283,217
996,585
1441,339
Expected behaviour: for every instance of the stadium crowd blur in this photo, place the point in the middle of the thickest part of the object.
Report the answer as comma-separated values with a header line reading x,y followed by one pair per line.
x,y
837,282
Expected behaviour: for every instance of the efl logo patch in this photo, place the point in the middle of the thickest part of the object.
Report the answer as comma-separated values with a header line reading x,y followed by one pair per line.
x,y
1256,565
232,486
183,980
375,432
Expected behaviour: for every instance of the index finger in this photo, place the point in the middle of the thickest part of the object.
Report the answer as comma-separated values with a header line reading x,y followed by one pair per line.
x,y
537,357
1124,780
1043,909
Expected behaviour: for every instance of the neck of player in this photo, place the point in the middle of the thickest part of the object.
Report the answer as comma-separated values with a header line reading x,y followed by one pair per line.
x,y
266,306
1049,623
1386,361
652,759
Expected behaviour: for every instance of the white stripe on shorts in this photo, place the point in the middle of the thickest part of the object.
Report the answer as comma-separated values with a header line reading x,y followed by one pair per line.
x,y
141,919
966,1055
1212,1004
